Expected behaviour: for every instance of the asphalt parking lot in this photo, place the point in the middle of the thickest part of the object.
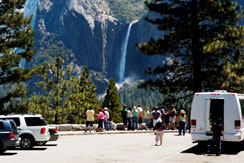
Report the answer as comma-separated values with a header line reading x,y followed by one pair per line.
x,y
118,148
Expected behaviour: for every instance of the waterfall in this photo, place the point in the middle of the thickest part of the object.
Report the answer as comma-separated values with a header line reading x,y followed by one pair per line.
x,y
123,56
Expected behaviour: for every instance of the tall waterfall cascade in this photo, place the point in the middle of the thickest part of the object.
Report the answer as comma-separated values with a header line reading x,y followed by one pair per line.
x,y
123,54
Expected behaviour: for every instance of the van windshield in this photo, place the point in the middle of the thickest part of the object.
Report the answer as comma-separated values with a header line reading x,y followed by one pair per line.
x,y
242,107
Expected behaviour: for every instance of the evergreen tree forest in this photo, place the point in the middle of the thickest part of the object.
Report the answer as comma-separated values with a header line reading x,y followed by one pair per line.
x,y
65,98
16,41
202,40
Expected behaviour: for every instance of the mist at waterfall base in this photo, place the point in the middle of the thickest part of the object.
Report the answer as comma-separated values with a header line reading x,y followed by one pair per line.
x,y
128,82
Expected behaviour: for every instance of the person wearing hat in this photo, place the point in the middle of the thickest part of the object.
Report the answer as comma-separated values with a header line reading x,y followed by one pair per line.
x,y
182,122
106,118
159,131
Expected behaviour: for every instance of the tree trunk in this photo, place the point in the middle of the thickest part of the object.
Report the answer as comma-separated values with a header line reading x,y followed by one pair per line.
x,y
196,53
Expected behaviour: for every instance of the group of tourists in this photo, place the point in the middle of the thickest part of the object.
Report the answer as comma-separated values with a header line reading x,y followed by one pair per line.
x,y
135,118
102,119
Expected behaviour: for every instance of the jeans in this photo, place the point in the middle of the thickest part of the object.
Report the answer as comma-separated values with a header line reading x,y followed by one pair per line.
x,y
216,140
106,124
146,120
182,126
135,121
129,120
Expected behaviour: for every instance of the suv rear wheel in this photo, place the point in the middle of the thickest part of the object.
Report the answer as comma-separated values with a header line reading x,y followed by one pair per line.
x,y
2,149
26,142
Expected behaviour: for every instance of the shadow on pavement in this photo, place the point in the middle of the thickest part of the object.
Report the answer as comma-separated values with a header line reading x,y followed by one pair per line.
x,y
227,149
32,149
50,145
8,154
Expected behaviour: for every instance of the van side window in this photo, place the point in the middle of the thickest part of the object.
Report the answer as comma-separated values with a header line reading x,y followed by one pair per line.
x,y
242,107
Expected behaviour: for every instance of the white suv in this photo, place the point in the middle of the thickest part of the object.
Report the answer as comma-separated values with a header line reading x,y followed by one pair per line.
x,y
32,128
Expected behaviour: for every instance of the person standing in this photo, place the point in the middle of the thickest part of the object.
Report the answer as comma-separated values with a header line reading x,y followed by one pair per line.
x,y
162,114
129,119
155,115
135,116
140,111
159,131
182,122
166,118
100,118
146,116
173,116
124,114
218,131
89,119
106,119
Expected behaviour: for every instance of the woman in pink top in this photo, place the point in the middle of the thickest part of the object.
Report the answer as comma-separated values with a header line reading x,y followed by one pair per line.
x,y
100,118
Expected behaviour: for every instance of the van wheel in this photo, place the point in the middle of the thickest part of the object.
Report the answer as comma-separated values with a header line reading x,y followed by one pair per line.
x,y
26,142
2,149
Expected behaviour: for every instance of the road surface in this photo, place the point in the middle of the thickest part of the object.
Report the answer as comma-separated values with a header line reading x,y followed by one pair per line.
x,y
120,148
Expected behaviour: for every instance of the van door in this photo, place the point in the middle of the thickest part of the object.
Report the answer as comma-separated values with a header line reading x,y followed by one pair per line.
x,y
207,116
214,110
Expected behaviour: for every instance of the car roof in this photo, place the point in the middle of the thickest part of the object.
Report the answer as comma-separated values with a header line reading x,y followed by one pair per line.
x,y
24,115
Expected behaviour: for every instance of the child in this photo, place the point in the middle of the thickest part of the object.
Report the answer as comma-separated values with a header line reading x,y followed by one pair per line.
x,y
159,131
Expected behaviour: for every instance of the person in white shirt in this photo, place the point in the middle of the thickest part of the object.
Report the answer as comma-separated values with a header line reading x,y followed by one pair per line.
x,y
89,119
106,118
140,110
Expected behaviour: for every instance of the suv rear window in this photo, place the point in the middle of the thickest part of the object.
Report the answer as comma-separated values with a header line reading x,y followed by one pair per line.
x,y
13,125
35,121
16,120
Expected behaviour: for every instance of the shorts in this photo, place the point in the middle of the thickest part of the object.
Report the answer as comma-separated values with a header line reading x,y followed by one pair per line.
x,y
89,123
140,120
159,135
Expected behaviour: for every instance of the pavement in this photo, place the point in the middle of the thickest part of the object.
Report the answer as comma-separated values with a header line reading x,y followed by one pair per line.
x,y
63,133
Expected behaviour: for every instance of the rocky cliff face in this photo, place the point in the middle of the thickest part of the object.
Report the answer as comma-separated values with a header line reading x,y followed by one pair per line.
x,y
87,28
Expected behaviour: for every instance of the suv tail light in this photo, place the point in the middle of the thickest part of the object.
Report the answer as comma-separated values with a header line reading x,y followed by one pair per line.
x,y
55,130
193,123
43,130
11,135
237,124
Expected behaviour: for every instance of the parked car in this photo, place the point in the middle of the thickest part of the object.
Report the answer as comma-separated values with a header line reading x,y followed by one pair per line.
x,y
9,136
53,135
32,128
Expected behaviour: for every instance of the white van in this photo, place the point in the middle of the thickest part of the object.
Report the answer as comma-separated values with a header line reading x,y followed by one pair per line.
x,y
209,106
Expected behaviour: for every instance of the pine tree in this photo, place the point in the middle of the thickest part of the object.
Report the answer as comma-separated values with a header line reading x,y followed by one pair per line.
x,y
54,104
112,101
82,96
16,40
199,38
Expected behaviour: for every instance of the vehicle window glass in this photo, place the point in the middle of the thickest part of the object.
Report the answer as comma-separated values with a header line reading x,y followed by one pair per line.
x,y
35,121
16,120
1,126
13,125
242,107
